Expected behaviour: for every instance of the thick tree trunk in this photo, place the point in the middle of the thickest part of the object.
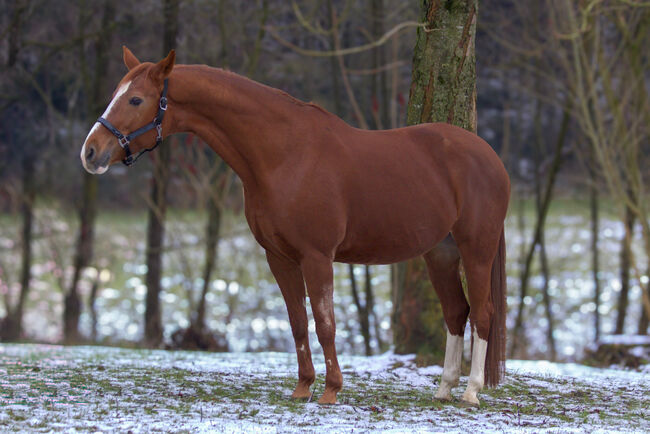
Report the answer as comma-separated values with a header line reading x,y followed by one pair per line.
x,y
156,230
443,89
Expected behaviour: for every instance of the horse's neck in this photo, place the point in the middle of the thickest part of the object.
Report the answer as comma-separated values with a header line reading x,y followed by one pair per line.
x,y
243,121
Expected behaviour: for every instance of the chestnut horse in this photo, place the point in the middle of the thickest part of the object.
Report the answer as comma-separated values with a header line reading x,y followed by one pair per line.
x,y
318,190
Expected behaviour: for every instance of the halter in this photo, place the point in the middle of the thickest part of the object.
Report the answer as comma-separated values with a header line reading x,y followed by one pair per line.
x,y
124,140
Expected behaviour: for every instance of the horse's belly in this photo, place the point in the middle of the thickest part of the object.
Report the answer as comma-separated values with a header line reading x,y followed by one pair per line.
x,y
393,244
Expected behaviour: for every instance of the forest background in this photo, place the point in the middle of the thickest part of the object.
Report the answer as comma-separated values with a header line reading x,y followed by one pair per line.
x,y
160,255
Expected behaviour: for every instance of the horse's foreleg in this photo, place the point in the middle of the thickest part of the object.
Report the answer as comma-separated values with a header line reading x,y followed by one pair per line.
x,y
319,278
442,264
292,285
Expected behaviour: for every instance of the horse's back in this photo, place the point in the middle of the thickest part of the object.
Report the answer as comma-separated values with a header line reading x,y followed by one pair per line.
x,y
404,188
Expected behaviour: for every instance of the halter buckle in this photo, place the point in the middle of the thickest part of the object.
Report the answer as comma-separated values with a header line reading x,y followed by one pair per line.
x,y
123,141
163,103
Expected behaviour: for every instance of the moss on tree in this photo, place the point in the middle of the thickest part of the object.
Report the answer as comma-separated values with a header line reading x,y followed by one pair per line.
x,y
443,89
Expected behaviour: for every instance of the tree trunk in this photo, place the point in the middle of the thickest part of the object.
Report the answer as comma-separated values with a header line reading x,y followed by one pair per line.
x,y
370,307
211,243
93,309
379,81
543,258
15,30
626,257
364,322
83,256
88,206
156,229
644,319
595,264
12,326
545,203
443,89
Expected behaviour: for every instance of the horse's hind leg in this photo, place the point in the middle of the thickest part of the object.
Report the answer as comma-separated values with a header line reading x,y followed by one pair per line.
x,y
478,250
292,285
442,264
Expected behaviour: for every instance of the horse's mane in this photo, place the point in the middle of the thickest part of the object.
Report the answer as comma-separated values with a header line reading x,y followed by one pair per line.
x,y
252,83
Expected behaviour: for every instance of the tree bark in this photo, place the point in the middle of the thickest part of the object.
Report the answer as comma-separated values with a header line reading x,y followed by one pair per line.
x,y
443,89
153,330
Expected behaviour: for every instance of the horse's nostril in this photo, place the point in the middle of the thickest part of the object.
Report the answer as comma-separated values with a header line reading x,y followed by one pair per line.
x,y
90,153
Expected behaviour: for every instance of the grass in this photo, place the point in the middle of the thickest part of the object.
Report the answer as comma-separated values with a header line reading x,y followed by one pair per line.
x,y
51,388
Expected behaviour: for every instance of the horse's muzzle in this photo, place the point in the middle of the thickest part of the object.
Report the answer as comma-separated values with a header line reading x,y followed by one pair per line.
x,y
93,161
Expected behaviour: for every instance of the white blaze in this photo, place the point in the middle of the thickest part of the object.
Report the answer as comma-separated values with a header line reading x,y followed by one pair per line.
x,y
121,91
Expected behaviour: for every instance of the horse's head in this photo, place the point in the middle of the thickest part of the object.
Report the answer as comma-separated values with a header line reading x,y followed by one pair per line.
x,y
132,121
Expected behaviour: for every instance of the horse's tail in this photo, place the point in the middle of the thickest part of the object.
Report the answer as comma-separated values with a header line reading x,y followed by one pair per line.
x,y
495,360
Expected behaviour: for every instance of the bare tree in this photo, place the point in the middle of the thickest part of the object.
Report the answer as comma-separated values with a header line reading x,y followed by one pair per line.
x,y
153,328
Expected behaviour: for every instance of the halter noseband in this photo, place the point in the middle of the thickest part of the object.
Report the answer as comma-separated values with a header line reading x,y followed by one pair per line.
x,y
124,140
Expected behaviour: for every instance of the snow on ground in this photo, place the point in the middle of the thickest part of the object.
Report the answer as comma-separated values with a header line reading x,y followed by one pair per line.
x,y
54,388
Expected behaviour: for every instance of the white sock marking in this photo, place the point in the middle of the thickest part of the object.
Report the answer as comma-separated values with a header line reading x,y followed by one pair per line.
x,y
477,374
451,369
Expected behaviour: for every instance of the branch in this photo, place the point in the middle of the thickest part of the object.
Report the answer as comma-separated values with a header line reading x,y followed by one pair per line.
x,y
345,51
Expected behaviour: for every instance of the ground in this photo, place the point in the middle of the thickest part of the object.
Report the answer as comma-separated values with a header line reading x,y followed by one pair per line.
x,y
54,388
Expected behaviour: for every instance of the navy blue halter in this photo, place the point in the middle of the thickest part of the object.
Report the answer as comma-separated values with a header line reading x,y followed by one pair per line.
x,y
124,140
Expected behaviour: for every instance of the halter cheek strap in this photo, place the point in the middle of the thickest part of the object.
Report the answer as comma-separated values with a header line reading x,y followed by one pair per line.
x,y
125,140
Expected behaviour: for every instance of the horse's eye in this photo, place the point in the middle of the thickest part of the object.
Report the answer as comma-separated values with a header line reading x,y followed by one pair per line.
x,y
135,101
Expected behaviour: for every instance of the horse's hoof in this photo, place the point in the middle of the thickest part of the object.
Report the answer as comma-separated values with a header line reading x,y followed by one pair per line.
x,y
328,398
467,404
302,391
301,394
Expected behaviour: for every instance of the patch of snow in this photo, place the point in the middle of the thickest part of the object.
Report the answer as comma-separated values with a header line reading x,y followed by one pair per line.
x,y
625,340
55,388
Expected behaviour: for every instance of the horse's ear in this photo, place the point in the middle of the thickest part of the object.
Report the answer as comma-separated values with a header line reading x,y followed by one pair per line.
x,y
129,58
162,69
